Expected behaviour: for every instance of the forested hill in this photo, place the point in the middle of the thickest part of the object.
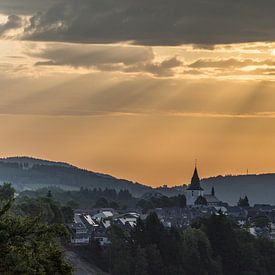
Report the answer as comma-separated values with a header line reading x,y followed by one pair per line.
x,y
29,173
260,189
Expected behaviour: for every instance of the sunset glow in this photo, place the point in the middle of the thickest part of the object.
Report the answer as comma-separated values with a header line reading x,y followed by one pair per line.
x,y
135,109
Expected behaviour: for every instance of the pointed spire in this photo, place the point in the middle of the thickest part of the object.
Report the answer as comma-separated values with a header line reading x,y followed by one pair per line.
x,y
195,181
213,191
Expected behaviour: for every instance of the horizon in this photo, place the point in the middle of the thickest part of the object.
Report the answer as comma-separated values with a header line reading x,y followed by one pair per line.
x,y
144,98
35,158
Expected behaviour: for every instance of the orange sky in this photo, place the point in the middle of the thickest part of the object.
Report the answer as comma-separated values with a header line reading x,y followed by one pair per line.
x,y
144,113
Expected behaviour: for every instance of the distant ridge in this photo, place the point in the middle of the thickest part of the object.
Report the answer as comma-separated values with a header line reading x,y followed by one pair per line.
x,y
31,160
27,173
260,188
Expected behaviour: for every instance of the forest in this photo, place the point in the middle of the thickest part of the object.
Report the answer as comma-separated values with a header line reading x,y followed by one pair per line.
x,y
212,246
33,234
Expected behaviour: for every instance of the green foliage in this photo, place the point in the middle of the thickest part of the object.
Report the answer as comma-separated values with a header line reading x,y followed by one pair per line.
x,y
6,192
30,247
150,249
215,247
46,206
72,204
86,198
120,252
152,203
224,243
68,214
197,254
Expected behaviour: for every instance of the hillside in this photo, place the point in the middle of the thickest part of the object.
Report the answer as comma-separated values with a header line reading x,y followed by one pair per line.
x,y
260,189
28,173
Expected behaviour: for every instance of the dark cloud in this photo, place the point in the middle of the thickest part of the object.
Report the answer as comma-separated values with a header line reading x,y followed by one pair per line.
x,y
92,55
107,58
27,7
229,63
155,22
13,22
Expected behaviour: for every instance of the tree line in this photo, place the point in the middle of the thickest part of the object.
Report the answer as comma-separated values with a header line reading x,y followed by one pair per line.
x,y
212,246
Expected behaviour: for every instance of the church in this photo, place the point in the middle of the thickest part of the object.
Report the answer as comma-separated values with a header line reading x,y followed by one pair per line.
x,y
195,193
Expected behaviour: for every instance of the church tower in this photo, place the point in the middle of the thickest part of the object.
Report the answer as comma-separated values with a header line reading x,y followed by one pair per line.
x,y
194,190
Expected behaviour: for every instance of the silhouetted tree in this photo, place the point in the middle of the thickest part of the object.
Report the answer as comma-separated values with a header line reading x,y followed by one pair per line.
x,y
243,202
6,192
29,247
201,201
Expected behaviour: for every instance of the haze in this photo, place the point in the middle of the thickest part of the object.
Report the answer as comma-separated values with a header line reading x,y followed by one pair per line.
x,y
140,89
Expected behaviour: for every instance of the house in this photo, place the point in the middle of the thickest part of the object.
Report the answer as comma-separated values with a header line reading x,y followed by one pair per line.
x,y
211,199
103,215
101,236
126,221
79,234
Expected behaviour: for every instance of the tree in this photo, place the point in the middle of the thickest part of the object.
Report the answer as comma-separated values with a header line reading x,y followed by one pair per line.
x,y
141,264
101,203
120,252
224,242
29,247
50,209
73,204
67,213
197,254
49,194
6,192
201,201
114,205
154,258
181,201
243,202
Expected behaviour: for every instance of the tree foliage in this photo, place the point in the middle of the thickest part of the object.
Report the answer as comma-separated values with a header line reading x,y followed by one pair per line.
x,y
30,247
215,247
161,202
6,192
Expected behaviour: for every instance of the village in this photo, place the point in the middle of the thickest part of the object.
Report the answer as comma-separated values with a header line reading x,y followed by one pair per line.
x,y
93,224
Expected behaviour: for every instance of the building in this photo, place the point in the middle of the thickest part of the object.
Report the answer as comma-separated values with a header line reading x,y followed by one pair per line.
x,y
211,199
194,190
79,234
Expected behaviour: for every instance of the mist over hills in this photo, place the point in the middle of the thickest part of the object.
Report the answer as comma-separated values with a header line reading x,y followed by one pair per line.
x,y
27,173
260,189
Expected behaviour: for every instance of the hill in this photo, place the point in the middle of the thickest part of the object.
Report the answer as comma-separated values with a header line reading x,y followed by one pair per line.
x,y
260,189
29,174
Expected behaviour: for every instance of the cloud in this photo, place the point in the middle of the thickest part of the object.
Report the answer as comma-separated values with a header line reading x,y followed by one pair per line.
x,y
155,22
26,7
13,22
107,58
229,63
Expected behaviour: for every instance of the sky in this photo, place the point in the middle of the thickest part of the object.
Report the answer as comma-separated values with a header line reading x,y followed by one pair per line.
x,y
140,89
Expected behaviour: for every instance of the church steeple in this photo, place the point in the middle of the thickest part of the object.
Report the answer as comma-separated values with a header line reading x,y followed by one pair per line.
x,y
213,191
195,181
